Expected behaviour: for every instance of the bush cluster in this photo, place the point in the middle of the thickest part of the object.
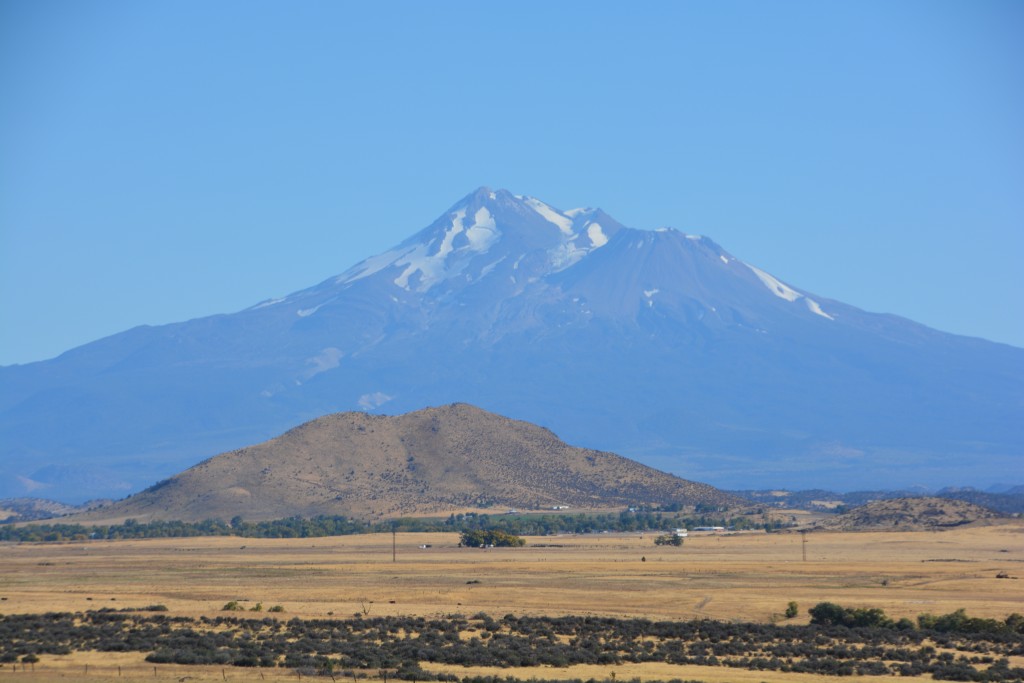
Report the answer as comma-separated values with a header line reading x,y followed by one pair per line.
x,y
400,645
479,538
669,539
831,614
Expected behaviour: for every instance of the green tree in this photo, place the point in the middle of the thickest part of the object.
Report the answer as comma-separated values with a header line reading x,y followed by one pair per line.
x,y
480,538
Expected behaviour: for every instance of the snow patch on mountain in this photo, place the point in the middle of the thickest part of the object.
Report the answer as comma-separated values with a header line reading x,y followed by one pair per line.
x,y
486,270
565,255
417,261
484,232
564,223
446,252
306,312
427,263
371,266
268,302
815,308
449,235
328,359
786,292
451,258
774,286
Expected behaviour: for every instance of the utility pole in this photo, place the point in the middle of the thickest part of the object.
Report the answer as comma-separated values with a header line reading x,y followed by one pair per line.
x,y
803,544
394,532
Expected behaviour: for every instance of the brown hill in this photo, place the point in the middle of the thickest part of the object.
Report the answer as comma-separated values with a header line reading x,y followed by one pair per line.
x,y
434,460
909,514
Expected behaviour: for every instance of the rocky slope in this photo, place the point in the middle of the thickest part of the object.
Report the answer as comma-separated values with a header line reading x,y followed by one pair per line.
x,y
435,460
910,514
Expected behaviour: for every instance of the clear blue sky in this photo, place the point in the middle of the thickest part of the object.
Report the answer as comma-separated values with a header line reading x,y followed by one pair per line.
x,y
161,161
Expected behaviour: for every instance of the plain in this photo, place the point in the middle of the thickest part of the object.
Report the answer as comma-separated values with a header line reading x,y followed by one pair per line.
x,y
731,577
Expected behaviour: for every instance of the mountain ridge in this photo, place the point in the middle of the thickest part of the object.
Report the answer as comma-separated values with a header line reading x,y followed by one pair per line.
x,y
656,344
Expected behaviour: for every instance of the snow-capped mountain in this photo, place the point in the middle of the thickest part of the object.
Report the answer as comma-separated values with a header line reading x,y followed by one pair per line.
x,y
658,345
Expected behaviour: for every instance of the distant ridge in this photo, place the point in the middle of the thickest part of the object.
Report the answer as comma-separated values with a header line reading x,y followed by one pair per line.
x,y
910,514
27,509
435,460
1009,501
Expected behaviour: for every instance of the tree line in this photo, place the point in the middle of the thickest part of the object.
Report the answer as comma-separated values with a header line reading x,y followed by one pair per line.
x,y
639,520
831,614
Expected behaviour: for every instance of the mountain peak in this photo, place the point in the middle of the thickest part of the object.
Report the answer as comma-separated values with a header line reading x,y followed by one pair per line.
x,y
501,245
479,197
522,237
654,342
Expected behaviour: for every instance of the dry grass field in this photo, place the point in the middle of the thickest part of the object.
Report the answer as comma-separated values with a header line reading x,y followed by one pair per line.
x,y
742,577
131,668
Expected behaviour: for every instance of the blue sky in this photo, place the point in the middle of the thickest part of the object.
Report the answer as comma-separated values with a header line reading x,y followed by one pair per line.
x,y
161,161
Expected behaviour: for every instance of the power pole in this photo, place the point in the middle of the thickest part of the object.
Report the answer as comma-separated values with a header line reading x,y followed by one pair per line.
x,y
803,544
394,532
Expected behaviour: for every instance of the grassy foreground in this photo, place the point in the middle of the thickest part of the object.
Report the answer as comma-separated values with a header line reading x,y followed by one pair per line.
x,y
747,577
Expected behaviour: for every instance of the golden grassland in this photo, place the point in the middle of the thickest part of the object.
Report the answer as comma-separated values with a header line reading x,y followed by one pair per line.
x,y
742,577
130,667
